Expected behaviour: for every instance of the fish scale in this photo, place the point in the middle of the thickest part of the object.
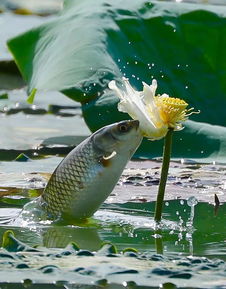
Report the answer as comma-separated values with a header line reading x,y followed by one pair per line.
x,y
67,179
88,174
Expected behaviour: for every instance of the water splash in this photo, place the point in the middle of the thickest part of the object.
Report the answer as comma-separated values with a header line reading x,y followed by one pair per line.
x,y
191,202
31,215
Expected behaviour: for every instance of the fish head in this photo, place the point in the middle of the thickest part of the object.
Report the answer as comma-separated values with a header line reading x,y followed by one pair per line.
x,y
120,137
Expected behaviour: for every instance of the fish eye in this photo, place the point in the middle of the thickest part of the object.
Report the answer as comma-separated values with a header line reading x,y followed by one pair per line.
x,y
123,127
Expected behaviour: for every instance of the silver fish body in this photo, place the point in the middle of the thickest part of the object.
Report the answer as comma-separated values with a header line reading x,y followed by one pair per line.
x,y
88,174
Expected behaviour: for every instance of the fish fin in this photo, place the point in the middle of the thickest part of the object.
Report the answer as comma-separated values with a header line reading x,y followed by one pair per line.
x,y
110,156
106,160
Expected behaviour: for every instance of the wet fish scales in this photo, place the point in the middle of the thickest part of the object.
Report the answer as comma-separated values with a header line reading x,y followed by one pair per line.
x,y
89,172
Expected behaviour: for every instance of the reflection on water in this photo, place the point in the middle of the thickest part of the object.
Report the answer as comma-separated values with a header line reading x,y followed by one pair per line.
x,y
68,286
132,225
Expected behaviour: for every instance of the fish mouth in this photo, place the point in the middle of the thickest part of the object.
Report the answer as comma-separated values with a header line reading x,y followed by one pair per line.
x,y
135,123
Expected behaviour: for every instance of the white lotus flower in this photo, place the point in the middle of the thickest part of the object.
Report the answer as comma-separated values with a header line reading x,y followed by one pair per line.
x,y
156,114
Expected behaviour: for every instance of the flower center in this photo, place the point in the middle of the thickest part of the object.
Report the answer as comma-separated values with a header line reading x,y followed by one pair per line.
x,y
173,102
172,110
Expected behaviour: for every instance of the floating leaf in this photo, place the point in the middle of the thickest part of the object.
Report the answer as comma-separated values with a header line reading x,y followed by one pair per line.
x,y
31,97
133,250
107,248
4,96
73,247
22,158
11,244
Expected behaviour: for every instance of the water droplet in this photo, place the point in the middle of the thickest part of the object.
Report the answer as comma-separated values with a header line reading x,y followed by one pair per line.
x,y
180,236
152,64
138,78
94,84
182,202
177,213
157,236
129,42
133,76
127,62
174,30
135,62
178,65
186,87
119,60
192,201
181,221
167,204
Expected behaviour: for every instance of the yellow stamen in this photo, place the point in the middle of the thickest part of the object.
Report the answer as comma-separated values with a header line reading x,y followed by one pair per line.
x,y
172,110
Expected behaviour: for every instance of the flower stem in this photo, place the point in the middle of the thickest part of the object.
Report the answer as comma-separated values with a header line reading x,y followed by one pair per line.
x,y
164,174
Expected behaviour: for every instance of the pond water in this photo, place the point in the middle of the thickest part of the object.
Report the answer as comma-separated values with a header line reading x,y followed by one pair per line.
x,y
46,131
130,225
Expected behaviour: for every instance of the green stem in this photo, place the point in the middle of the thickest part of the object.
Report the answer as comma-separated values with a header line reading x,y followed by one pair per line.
x,y
164,174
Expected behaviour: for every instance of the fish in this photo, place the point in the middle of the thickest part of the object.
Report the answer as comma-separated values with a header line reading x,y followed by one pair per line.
x,y
89,173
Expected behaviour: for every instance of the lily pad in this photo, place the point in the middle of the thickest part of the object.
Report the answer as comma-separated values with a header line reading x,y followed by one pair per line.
x,y
83,268
179,44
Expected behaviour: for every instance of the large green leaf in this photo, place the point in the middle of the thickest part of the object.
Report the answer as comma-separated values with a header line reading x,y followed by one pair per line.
x,y
181,45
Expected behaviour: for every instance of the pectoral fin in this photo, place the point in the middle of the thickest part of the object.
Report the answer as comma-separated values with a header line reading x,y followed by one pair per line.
x,y
106,160
108,157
